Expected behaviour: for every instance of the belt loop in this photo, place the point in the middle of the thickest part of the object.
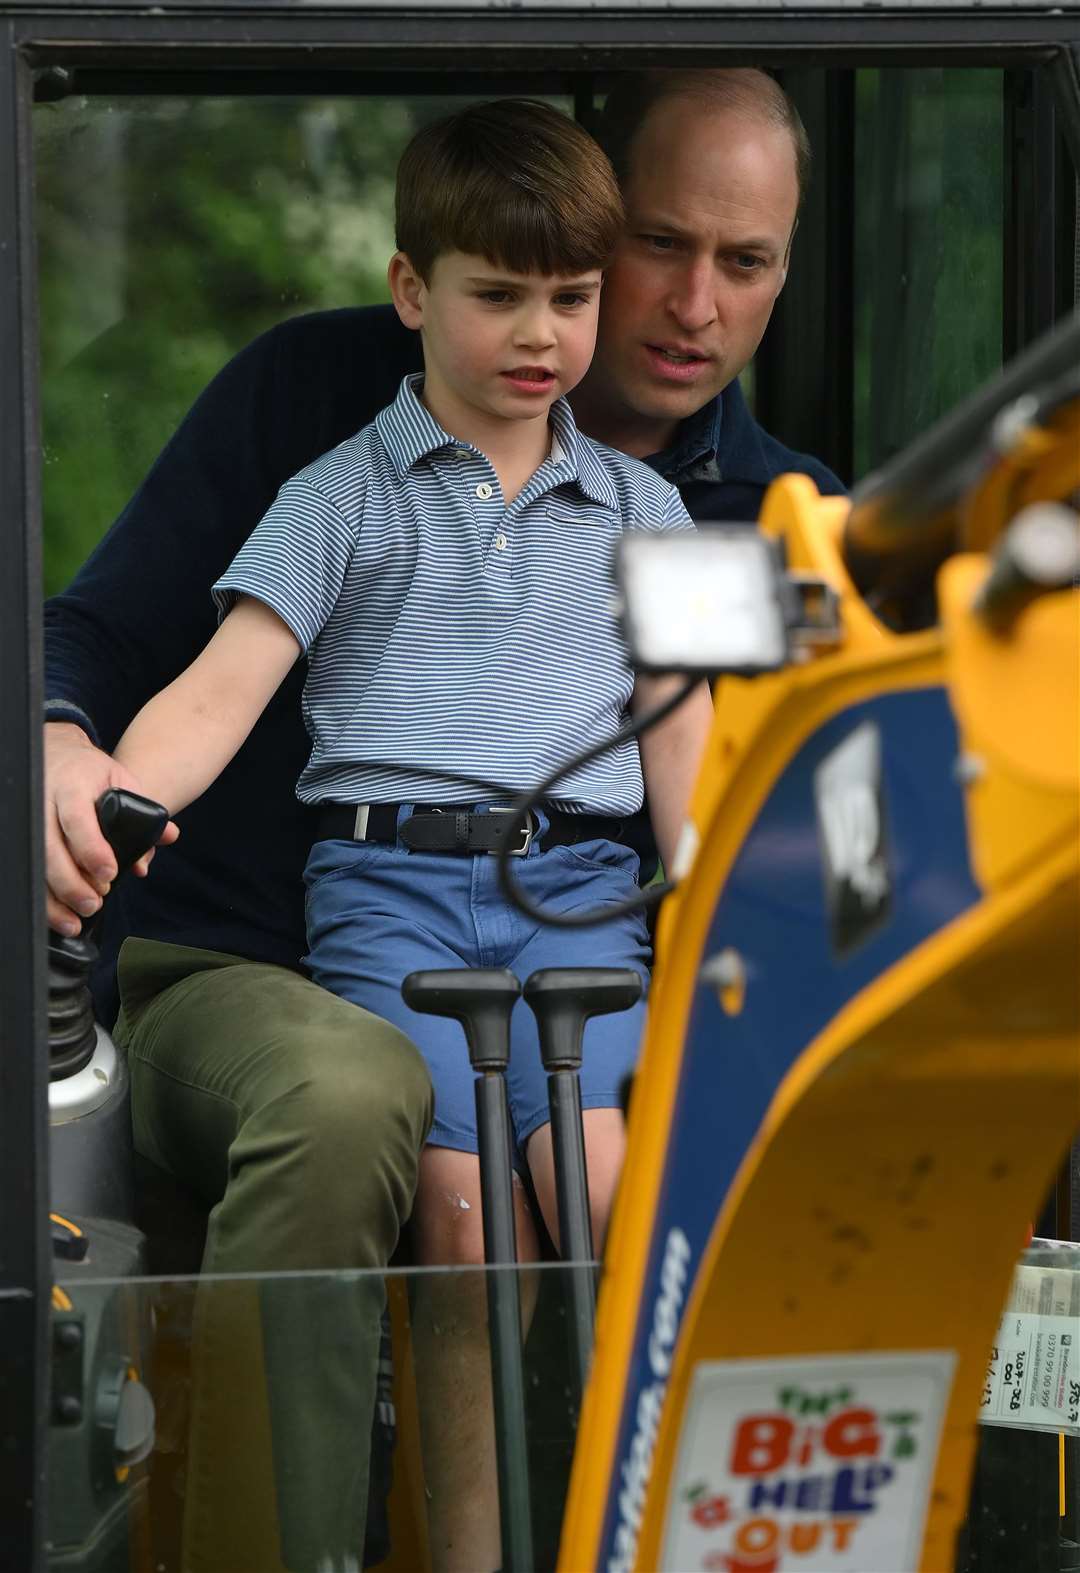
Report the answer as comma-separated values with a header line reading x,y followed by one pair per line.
x,y
461,831
543,825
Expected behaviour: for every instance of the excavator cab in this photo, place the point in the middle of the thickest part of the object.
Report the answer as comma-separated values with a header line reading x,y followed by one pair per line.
x,y
859,1045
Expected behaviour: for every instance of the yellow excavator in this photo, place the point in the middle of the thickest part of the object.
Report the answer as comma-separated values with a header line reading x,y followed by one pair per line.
x,y
862,1066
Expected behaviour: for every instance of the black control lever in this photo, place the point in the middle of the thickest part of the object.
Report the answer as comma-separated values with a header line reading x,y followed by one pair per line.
x,y
562,1000
131,825
482,1000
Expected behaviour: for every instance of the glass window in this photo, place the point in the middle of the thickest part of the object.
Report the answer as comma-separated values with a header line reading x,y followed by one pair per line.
x,y
230,1407
180,1403
171,231
929,200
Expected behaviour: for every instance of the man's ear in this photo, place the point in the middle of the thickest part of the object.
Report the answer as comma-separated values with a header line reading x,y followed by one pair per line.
x,y
407,290
787,256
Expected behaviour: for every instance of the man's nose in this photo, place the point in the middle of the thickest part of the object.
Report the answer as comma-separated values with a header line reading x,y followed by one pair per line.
x,y
694,295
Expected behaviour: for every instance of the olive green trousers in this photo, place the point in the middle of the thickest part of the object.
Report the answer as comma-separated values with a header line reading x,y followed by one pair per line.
x,y
299,1119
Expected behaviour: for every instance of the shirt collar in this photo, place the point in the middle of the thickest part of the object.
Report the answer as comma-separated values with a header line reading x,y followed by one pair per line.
x,y
693,454
579,455
720,442
409,432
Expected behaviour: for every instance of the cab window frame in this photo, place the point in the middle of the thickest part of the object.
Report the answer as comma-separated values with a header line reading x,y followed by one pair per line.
x,y
48,47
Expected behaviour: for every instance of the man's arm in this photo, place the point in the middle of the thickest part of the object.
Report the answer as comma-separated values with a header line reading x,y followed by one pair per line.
x,y
181,741
671,755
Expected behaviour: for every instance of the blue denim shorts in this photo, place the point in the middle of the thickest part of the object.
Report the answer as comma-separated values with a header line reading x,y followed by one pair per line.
x,y
377,912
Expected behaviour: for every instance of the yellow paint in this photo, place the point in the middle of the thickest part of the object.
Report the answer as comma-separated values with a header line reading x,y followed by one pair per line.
x,y
65,1223
929,1114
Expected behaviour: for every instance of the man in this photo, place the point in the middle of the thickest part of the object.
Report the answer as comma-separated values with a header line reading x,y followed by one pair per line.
x,y
248,1082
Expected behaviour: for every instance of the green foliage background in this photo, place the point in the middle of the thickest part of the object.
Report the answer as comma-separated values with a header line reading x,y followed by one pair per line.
x,y
170,233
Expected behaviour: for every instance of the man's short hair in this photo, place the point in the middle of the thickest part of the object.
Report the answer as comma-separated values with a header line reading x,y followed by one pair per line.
x,y
513,181
745,90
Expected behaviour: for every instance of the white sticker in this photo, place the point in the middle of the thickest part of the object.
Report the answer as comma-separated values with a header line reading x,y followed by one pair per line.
x,y
820,1464
1034,1375
686,850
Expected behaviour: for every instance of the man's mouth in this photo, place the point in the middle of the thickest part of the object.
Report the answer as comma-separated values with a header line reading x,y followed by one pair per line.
x,y
677,362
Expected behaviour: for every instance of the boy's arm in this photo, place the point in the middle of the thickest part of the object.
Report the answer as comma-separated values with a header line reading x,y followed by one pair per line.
x,y
180,741
671,755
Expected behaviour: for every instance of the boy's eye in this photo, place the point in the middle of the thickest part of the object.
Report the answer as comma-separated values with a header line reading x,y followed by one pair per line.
x,y
571,298
496,297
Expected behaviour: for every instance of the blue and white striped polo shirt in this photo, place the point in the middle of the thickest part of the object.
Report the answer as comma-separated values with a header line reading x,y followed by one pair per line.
x,y
445,630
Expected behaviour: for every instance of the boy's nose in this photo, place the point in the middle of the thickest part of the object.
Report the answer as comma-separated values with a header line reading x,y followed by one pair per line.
x,y
534,330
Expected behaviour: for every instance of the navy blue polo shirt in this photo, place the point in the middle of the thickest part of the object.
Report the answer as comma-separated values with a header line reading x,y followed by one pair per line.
x,y
723,462
139,610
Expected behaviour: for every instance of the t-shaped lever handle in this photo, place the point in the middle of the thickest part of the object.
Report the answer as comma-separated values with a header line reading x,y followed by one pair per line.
x,y
564,998
481,998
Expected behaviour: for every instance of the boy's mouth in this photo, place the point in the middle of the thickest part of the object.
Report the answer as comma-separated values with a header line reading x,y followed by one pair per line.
x,y
533,379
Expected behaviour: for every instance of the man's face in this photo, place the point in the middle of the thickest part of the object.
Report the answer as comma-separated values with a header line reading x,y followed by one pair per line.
x,y
711,201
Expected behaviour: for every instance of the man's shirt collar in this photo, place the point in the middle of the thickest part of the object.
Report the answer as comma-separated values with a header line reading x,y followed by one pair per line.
x,y
693,454
409,432
719,442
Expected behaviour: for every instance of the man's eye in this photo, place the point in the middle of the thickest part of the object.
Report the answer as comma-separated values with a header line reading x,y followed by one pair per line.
x,y
746,262
659,242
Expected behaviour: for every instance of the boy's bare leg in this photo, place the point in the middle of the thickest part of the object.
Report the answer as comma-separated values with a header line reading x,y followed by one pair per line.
x,y
453,1361
605,1147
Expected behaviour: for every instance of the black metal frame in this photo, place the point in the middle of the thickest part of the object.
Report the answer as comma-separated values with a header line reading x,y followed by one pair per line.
x,y
24,1246
813,326
234,46
1040,210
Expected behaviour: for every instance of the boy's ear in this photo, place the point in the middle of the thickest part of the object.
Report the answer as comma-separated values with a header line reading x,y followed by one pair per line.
x,y
407,290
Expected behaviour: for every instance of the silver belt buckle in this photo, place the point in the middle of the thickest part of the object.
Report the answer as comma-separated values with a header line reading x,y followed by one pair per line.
x,y
528,830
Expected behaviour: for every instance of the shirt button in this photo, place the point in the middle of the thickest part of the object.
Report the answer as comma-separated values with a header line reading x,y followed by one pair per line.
x,y
500,543
483,491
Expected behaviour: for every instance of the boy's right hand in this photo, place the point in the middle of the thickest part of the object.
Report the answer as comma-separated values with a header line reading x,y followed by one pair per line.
x,y
79,863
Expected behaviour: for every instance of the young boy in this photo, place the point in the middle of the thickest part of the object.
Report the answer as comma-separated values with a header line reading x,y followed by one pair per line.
x,y
447,573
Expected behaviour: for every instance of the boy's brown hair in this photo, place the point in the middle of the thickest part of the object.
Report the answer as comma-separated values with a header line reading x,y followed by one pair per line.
x,y
514,181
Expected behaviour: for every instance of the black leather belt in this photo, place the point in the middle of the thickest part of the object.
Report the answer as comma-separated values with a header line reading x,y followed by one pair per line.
x,y
455,829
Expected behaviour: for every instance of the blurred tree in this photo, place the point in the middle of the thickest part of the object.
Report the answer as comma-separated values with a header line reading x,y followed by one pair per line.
x,y
172,231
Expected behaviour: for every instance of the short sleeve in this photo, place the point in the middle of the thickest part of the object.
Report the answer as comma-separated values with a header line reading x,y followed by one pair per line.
x,y
295,561
660,513
675,514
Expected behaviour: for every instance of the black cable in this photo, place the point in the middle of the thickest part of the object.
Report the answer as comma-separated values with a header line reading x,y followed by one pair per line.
x,y
526,801
653,894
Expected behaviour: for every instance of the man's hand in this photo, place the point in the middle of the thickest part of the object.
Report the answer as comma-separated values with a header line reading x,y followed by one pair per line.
x,y
79,863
